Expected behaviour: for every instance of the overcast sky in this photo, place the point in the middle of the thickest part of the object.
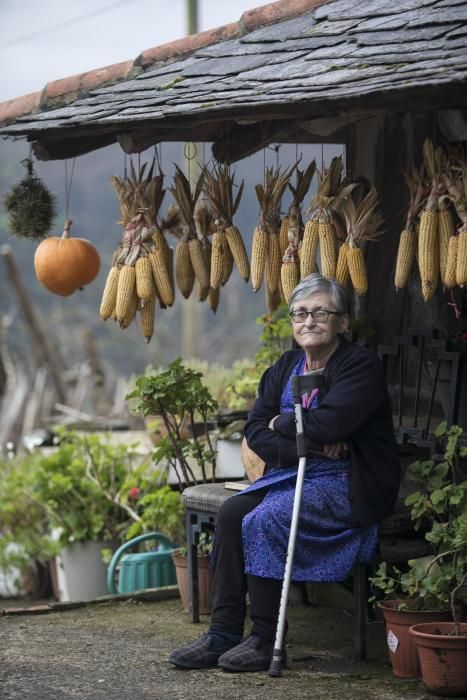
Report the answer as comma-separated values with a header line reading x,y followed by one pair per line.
x,y
43,40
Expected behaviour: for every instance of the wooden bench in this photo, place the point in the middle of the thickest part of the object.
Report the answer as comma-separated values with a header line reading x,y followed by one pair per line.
x,y
397,544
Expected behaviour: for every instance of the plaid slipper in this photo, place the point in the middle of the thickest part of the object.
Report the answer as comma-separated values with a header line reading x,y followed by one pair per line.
x,y
202,653
252,654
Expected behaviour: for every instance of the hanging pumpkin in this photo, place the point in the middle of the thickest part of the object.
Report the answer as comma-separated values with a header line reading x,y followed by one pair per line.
x,y
66,264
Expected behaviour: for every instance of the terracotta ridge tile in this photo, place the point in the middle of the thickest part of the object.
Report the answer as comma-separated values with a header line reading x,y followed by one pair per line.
x,y
187,44
88,80
19,106
275,11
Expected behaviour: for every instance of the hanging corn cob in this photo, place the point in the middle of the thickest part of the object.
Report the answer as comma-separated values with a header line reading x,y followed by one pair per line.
x,y
309,248
342,267
290,271
189,260
428,235
109,296
125,306
132,282
451,263
147,317
455,179
284,235
265,255
331,192
259,253
228,246
408,238
363,220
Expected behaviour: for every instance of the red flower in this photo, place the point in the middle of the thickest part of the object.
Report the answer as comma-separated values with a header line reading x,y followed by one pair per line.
x,y
133,492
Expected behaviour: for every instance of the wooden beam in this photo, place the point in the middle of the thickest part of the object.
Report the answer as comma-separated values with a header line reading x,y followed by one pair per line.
x,y
243,140
62,148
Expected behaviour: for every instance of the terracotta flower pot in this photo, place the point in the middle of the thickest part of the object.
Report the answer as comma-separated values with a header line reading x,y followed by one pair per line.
x,y
204,582
401,647
443,657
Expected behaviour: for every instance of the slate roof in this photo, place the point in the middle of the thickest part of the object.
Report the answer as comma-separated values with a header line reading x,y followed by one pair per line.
x,y
332,57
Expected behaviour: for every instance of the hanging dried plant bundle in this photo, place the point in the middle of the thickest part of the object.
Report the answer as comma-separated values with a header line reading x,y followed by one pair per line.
x,y
363,222
408,240
189,260
30,206
269,198
332,191
455,179
140,268
218,187
295,219
428,236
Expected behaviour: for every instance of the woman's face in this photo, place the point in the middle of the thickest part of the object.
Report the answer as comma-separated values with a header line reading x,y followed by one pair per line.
x,y
318,336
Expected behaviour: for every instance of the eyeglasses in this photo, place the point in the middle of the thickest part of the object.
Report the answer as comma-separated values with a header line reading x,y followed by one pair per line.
x,y
318,316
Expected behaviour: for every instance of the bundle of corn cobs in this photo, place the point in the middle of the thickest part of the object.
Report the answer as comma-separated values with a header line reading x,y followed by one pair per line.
x,y
141,266
339,223
438,197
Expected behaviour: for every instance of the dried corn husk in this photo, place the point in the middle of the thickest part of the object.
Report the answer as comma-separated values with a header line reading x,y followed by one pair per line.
x,y
408,240
363,221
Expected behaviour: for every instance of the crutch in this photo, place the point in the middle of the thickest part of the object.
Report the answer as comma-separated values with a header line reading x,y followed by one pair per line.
x,y
300,385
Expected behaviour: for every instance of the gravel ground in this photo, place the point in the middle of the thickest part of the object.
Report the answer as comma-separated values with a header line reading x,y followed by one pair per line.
x,y
119,650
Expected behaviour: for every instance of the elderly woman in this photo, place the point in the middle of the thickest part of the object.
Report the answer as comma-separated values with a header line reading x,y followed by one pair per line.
x,y
346,491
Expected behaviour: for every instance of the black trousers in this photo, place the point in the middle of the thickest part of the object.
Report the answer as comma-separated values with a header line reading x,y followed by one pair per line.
x,y
230,583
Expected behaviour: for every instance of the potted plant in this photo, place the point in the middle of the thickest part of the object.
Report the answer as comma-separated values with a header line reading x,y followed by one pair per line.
x,y
423,592
442,645
179,557
178,395
88,495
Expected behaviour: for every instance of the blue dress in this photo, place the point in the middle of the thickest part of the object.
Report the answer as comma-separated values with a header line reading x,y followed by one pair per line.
x,y
327,544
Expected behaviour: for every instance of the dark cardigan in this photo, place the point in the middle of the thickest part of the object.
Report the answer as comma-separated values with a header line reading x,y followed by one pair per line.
x,y
356,410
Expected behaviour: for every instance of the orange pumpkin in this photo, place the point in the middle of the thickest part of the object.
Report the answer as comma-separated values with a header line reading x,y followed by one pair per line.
x,y
66,264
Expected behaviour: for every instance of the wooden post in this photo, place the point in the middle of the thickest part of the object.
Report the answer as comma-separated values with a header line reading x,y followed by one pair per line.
x,y
44,354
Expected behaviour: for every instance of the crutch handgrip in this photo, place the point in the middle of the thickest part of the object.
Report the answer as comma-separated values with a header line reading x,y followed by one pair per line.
x,y
305,383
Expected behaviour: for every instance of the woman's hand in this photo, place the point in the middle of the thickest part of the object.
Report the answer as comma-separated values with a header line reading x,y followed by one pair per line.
x,y
271,423
335,451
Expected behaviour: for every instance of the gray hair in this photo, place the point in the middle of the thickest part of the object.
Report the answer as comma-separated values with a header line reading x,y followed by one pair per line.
x,y
317,284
